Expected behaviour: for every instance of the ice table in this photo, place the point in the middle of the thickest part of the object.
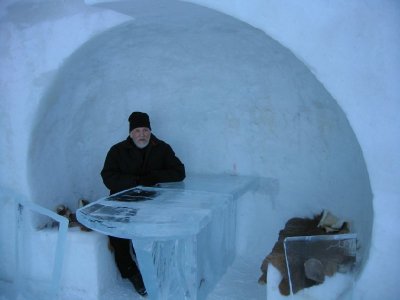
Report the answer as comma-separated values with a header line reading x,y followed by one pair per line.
x,y
183,233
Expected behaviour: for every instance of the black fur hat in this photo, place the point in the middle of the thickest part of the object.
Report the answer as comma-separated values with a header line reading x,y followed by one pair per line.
x,y
138,119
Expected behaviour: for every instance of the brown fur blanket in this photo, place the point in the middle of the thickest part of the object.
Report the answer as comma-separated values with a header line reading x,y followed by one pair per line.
x,y
297,227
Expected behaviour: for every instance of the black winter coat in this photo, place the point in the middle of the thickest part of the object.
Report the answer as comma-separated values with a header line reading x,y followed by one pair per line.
x,y
127,166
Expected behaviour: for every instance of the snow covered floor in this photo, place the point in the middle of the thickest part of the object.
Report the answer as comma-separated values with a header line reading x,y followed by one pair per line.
x,y
238,283
121,291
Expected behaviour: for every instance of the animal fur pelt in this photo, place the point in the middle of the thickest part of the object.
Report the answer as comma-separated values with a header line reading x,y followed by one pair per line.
x,y
324,223
64,211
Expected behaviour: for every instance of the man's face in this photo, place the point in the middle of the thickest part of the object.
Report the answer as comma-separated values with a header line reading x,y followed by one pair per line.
x,y
141,136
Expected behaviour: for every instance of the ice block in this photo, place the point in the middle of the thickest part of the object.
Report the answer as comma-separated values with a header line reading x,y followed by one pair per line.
x,y
40,285
183,233
321,266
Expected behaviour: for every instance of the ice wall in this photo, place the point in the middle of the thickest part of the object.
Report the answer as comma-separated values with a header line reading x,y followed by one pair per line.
x,y
353,48
356,61
35,38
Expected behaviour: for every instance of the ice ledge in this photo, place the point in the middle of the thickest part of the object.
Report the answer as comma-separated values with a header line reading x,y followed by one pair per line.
x,y
233,185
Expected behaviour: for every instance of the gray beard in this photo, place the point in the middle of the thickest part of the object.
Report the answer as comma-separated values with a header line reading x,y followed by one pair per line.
x,y
141,146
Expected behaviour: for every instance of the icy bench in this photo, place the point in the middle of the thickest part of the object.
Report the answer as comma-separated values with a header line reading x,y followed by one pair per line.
x,y
88,269
18,245
183,233
40,261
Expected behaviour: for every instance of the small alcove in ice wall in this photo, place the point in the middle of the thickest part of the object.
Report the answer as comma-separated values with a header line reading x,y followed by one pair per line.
x,y
228,98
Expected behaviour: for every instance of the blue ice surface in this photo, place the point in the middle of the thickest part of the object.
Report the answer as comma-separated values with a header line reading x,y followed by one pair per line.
x,y
183,233
23,285
174,210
